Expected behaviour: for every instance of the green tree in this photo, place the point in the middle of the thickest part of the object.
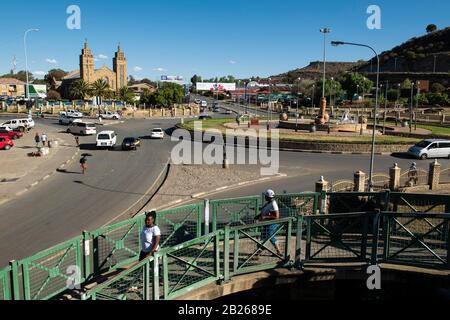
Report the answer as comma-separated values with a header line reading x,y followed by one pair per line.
x,y
21,75
354,83
407,84
80,90
431,28
437,88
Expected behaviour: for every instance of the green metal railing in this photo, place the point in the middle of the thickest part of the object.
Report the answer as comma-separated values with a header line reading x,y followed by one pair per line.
x,y
398,228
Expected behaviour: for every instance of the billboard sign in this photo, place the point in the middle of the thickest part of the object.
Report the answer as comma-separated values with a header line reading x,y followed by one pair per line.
x,y
212,86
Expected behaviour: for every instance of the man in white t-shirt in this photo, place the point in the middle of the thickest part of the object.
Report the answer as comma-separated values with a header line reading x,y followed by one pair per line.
x,y
270,211
150,237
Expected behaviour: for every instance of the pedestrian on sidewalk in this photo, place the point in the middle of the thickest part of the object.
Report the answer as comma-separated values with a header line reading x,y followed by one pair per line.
x,y
83,163
150,237
44,139
37,139
270,211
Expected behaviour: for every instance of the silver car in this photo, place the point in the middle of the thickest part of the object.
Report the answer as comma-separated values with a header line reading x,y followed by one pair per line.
x,y
431,148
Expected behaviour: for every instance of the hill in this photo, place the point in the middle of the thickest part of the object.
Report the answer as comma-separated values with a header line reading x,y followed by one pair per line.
x,y
426,54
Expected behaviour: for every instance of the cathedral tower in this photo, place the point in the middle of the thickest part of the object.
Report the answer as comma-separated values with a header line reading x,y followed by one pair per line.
x,y
87,64
120,68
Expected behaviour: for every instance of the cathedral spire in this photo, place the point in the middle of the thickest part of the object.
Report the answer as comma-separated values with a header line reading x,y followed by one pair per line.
x,y
85,43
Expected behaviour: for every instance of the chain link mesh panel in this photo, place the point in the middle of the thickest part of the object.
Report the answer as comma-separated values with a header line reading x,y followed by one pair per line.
x,y
5,288
51,272
116,245
180,225
234,212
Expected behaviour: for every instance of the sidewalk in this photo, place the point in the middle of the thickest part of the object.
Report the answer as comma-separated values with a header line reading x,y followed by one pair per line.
x,y
19,173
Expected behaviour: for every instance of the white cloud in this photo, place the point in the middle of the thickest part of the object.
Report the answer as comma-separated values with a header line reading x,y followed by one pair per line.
x,y
96,59
137,69
51,61
232,62
160,69
39,73
102,56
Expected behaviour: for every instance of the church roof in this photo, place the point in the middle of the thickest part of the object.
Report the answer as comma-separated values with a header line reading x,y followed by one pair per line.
x,y
72,75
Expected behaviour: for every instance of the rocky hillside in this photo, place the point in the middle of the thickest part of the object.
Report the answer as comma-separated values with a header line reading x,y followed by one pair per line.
x,y
416,55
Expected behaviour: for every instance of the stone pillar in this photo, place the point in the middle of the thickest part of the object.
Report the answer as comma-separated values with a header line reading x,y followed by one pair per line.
x,y
321,187
360,181
394,174
434,175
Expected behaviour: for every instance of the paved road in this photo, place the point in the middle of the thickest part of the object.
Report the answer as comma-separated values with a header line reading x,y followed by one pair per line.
x,y
68,202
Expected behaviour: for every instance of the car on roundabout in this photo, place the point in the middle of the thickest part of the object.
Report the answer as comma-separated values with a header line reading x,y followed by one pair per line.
x,y
157,133
106,139
430,149
131,143
13,135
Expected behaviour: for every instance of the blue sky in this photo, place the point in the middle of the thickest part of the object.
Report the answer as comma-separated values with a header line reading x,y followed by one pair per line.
x,y
206,37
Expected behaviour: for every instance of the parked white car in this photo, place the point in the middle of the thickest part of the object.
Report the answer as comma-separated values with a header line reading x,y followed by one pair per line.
x,y
82,128
19,124
157,133
109,115
106,139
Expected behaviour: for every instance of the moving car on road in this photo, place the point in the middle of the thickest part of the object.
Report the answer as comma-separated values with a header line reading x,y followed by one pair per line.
x,y
108,115
204,117
10,134
431,148
71,114
131,143
82,128
157,133
65,120
106,139
6,143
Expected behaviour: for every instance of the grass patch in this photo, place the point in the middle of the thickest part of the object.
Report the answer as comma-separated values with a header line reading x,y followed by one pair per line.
x,y
357,139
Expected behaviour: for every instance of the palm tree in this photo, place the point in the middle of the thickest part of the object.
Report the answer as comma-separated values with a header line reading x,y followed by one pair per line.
x,y
100,88
80,89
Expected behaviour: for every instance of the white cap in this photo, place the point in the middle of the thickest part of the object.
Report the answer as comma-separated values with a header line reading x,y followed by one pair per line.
x,y
269,193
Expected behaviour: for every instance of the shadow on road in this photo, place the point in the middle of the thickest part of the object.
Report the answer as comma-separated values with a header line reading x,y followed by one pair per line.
x,y
66,171
401,155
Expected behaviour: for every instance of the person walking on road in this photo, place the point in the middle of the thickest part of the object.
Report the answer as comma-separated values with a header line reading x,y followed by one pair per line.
x,y
77,141
44,139
269,212
37,139
83,163
150,237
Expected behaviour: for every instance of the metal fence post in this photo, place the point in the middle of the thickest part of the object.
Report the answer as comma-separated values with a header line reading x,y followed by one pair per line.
x,y
217,253
226,254
376,231
165,270
206,215
87,254
14,280
146,282
308,238
288,241
156,276
298,243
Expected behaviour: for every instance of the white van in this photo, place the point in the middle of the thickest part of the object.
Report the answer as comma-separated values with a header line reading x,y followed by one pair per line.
x,y
82,128
431,148
106,139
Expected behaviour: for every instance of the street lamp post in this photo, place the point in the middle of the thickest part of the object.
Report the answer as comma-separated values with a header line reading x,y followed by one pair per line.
x,y
411,108
324,31
372,154
417,104
27,89
314,93
298,101
269,108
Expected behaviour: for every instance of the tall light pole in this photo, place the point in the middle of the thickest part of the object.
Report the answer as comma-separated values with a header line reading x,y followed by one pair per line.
x,y
298,101
313,94
417,104
324,31
372,155
269,107
27,89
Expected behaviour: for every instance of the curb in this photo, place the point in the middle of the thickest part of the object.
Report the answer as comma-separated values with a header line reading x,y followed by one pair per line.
x,y
206,193
47,176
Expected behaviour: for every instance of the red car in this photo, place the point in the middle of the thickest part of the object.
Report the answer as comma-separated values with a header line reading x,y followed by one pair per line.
x,y
6,143
10,134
